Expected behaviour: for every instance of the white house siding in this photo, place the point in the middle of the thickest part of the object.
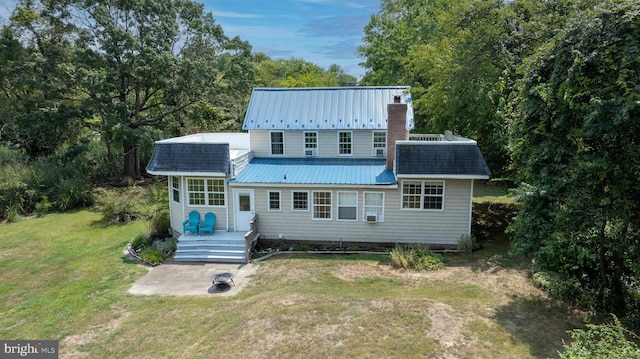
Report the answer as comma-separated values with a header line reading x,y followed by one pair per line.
x,y
362,143
399,226
180,211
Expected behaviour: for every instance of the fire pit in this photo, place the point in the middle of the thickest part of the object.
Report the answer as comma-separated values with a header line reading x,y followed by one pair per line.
x,y
222,279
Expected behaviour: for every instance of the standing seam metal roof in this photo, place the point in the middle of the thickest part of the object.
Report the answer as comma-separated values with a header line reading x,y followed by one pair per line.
x,y
304,171
324,108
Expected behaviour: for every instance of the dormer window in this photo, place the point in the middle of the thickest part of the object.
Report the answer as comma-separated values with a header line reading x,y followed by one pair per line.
x,y
277,143
379,143
310,143
345,143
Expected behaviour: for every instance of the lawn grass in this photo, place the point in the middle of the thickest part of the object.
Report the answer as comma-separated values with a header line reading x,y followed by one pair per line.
x,y
484,192
64,277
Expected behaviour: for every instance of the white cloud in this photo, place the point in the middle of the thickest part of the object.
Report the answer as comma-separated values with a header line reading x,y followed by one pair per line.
x,y
236,15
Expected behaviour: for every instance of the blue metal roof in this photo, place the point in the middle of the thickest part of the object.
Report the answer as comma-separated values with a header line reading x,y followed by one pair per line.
x,y
324,108
324,171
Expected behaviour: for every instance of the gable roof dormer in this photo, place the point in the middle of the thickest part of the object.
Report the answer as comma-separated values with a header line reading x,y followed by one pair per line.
x,y
324,108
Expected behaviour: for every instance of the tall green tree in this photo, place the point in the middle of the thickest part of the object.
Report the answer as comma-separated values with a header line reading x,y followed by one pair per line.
x,y
295,72
453,56
575,145
40,98
142,63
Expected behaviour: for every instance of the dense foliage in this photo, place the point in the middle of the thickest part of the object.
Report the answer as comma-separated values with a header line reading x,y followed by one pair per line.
x,y
551,91
127,74
601,342
574,145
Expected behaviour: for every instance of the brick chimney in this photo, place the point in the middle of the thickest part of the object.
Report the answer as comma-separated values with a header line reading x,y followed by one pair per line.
x,y
396,128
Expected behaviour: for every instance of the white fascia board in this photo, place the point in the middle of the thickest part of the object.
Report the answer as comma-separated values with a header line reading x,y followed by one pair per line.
x,y
306,185
187,174
442,176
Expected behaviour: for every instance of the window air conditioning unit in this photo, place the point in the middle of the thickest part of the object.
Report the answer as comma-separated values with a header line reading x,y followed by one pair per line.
x,y
372,217
380,152
310,152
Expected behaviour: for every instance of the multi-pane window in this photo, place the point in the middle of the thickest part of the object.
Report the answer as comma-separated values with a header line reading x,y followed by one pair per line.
x,y
348,206
300,201
274,200
379,142
423,195
321,205
277,143
215,192
205,192
344,143
310,143
433,195
374,204
175,188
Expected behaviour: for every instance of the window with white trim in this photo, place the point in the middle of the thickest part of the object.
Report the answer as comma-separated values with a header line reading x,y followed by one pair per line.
x,y
274,200
299,201
205,192
348,206
175,188
322,205
344,143
277,143
427,195
374,204
379,142
311,143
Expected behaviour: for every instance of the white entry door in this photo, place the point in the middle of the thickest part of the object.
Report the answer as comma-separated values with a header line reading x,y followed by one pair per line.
x,y
244,208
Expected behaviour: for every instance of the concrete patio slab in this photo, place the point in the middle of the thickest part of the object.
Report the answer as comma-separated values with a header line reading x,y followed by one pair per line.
x,y
192,279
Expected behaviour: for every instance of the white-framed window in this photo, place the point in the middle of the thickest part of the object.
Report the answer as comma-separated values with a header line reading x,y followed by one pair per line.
x,y
206,192
322,205
175,188
345,143
379,143
428,195
348,206
277,143
299,200
310,143
374,204
274,201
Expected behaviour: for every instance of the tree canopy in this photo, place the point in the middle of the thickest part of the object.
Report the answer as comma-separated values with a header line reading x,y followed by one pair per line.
x,y
575,131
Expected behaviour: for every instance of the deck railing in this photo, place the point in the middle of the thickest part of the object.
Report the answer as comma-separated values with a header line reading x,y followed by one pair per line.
x,y
426,137
251,237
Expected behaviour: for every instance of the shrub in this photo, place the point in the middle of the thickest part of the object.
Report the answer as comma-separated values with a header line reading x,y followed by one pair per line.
x,y
152,256
466,242
141,242
302,247
160,223
123,205
600,341
43,206
561,287
416,258
14,192
167,245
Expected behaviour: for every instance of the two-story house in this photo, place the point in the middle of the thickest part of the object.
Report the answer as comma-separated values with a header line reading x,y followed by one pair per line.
x,y
324,165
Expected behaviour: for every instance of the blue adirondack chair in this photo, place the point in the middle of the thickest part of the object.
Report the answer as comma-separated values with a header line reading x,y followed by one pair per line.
x,y
192,223
209,222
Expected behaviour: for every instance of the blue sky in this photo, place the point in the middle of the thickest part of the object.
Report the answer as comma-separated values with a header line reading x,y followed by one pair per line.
x,y
324,32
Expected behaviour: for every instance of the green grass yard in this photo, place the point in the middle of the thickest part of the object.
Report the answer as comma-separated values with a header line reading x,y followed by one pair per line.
x,y
64,277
